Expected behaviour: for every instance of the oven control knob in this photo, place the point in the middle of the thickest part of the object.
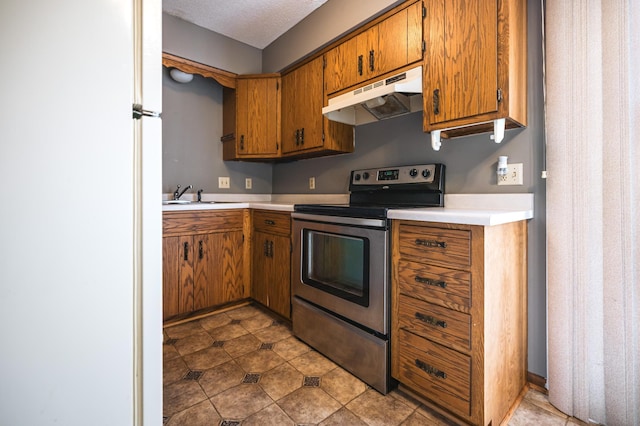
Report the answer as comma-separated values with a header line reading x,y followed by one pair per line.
x,y
426,173
356,177
413,172
365,175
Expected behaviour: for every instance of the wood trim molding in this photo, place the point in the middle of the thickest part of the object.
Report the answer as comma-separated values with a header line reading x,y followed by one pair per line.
x,y
537,382
225,78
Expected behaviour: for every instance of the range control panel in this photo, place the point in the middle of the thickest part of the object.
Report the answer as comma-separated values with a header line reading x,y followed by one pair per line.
x,y
424,173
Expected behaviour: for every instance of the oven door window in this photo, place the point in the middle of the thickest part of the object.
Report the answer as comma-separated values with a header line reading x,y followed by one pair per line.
x,y
337,264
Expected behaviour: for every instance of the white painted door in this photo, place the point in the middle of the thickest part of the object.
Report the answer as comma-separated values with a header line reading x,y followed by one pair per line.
x,y
79,232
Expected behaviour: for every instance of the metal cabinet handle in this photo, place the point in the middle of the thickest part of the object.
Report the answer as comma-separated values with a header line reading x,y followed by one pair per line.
x,y
265,248
271,249
269,222
302,136
428,281
360,65
436,102
430,320
297,136
186,251
200,250
431,243
241,142
372,59
430,370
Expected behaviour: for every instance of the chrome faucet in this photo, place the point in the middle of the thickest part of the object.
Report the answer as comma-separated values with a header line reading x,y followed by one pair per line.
x,y
177,194
200,191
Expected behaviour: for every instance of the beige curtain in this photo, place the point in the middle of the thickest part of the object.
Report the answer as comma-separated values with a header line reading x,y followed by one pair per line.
x,y
593,209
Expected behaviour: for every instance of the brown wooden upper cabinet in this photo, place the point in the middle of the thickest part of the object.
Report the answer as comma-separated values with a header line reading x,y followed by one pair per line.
x,y
305,131
475,65
386,46
252,118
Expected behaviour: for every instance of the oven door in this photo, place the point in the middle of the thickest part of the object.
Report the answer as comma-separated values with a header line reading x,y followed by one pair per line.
x,y
341,264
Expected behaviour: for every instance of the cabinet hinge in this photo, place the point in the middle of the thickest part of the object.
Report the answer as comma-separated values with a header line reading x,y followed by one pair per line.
x,y
424,46
499,95
243,238
277,146
322,136
324,62
424,12
277,85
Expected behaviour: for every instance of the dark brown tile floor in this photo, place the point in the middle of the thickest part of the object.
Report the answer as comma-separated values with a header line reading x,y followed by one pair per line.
x,y
244,367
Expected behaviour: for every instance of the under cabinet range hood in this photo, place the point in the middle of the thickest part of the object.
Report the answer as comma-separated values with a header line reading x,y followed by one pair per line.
x,y
390,97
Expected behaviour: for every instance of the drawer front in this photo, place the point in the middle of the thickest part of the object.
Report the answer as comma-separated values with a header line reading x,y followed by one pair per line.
x,y
452,246
269,221
438,373
445,326
436,284
194,222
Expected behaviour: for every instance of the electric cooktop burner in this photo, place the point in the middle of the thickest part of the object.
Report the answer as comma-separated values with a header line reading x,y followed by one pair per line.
x,y
375,191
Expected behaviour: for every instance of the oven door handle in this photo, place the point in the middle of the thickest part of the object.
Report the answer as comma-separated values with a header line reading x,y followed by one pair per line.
x,y
355,221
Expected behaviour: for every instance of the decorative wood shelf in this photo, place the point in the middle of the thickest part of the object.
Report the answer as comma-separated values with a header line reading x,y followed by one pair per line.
x,y
225,78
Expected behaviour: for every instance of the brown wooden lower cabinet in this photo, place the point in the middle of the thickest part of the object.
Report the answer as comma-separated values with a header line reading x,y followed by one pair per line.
x,y
459,316
271,240
202,260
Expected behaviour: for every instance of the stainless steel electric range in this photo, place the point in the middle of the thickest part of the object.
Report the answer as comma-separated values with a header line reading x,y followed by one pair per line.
x,y
341,267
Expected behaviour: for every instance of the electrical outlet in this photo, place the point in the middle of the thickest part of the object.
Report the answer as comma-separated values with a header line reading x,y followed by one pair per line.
x,y
312,183
247,183
223,182
513,176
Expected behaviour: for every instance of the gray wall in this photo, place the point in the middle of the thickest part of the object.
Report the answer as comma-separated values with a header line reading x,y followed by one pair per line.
x,y
471,164
190,41
333,19
192,114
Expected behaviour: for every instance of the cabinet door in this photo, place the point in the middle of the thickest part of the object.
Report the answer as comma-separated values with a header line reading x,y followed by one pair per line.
x,y
302,98
280,272
178,273
460,66
342,66
227,250
400,39
290,112
257,116
205,268
367,54
310,84
260,269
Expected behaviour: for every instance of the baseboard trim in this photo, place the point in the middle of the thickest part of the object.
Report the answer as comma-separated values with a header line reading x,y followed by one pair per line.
x,y
536,382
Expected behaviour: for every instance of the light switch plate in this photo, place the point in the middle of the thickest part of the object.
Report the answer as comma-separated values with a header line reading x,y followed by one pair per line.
x,y
223,182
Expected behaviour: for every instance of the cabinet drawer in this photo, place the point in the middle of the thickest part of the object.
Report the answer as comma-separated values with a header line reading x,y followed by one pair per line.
x,y
446,326
269,221
444,286
200,221
452,246
438,373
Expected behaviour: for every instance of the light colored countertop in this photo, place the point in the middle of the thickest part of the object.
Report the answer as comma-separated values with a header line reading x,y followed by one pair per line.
x,y
473,209
468,209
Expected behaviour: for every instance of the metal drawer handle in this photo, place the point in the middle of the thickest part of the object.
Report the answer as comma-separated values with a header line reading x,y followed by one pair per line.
x,y
428,281
269,222
430,370
431,243
431,320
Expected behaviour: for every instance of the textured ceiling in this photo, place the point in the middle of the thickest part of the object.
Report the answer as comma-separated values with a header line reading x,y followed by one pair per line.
x,y
254,22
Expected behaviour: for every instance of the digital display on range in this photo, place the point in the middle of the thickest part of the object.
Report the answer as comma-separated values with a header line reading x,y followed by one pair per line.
x,y
391,174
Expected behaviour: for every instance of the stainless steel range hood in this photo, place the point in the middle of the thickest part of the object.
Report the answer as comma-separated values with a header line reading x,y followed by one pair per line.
x,y
390,97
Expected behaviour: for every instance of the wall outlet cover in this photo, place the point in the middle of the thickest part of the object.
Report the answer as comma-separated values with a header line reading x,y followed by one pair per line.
x,y
248,183
513,176
312,183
